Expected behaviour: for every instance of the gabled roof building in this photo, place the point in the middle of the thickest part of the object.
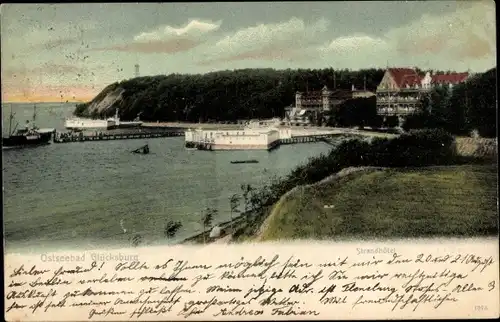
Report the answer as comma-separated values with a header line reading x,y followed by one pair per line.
x,y
401,89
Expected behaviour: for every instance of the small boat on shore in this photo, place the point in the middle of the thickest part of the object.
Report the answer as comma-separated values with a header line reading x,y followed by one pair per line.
x,y
244,161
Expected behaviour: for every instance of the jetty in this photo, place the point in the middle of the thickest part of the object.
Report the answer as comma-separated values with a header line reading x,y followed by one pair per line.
x,y
310,138
268,138
68,137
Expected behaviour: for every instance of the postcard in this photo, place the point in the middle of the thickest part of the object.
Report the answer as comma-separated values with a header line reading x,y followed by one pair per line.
x,y
250,161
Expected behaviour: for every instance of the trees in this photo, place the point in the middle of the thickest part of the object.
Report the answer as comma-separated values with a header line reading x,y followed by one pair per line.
x,y
481,110
246,193
207,219
234,202
264,93
171,228
223,95
354,112
136,240
469,106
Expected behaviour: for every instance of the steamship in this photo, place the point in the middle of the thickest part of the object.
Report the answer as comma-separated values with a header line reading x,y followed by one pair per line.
x,y
79,124
31,135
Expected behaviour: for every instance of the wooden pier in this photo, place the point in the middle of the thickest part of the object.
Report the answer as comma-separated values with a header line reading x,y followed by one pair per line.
x,y
103,136
309,138
327,138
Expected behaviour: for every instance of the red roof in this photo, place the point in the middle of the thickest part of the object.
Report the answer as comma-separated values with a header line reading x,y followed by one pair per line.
x,y
453,78
405,76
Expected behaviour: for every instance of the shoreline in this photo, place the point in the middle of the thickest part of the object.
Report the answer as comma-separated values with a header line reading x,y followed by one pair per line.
x,y
196,237
297,130
227,234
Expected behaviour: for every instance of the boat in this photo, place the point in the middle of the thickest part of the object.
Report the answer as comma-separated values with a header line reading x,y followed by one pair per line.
x,y
244,161
31,135
77,123
142,150
124,124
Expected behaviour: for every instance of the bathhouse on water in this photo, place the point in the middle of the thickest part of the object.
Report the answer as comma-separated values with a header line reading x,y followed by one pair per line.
x,y
251,137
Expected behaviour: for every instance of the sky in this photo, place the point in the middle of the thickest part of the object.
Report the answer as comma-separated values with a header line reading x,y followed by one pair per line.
x,y
59,52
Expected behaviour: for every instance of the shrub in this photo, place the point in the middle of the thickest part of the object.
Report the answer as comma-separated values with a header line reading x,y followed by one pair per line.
x,y
391,121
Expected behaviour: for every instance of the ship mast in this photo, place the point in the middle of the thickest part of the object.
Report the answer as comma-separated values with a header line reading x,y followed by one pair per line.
x,y
11,117
34,116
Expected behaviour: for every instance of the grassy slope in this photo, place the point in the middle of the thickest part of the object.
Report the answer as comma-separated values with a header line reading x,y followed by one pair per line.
x,y
435,201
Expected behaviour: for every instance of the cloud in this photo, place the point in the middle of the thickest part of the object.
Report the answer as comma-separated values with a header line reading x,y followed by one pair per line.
x,y
52,35
167,39
193,28
47,69
471,25
55,43
477,47
272,52
354,44
294,29
166,46
277,41
356,51
459,40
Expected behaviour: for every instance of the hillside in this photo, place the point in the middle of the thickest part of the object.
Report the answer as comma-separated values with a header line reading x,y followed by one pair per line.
x,y
228,96
389,203
223,95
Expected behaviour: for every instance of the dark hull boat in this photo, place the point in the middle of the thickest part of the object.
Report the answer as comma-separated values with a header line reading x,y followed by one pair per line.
x,y
28,137
244,161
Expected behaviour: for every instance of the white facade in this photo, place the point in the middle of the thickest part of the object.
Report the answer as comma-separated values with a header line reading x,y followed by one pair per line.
x,y
245,139
426,81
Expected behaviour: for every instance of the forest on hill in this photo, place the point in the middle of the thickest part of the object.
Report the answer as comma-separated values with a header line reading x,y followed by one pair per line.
x,y
468,107
228,96
223,95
